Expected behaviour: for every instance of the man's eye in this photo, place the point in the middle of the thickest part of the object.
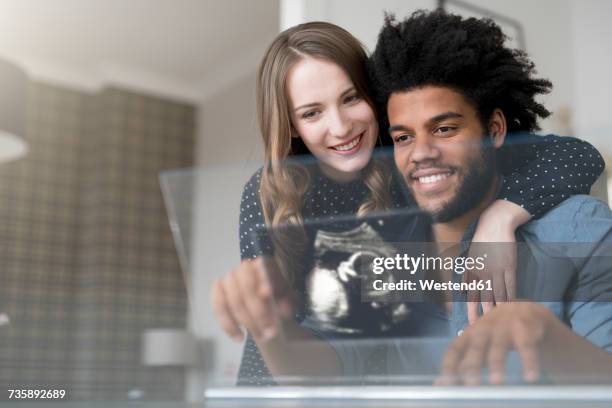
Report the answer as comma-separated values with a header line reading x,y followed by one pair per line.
x,y
403,139
444,130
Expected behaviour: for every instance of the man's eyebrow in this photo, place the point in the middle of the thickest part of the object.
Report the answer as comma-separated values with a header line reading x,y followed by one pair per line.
x,y
395,128
310,105
435,119
444,116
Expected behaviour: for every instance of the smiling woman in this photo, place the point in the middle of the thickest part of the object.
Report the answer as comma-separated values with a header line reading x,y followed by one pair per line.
x,y
334,121
313,102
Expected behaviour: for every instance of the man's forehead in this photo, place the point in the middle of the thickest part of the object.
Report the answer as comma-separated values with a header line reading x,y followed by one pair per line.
x,y
428,96
426,103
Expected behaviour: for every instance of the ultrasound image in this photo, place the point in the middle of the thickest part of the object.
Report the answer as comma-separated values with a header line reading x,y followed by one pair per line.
x,y
342,264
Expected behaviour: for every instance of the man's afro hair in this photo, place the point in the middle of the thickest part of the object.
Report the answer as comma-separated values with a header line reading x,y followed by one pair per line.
x,y
436,48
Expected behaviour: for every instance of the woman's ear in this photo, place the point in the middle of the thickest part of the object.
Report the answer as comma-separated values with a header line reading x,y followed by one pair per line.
x,y
497,128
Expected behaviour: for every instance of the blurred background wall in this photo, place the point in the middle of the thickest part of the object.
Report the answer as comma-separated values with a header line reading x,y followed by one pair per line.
x,y
123,90
118,92
88,261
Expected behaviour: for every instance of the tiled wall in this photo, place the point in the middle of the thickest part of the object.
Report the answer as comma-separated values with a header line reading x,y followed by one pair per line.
x,y
87,260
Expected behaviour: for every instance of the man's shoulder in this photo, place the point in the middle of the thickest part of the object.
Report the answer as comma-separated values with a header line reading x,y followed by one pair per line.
x,y
581,207
580,218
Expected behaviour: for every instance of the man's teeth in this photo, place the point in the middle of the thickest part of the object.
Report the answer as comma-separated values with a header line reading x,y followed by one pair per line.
x,y
348,146
433,179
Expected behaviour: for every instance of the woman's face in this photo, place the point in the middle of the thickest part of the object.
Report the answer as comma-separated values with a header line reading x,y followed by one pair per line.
x,y
335,123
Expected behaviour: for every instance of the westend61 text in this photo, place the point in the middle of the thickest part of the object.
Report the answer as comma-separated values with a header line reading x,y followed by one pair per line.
x,y
430,284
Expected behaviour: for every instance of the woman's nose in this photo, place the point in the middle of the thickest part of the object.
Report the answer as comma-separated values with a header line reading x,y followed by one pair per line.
x,y
339,124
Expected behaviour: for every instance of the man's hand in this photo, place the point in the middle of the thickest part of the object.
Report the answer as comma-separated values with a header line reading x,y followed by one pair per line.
x,y
494,236
500,268
254,296
523,326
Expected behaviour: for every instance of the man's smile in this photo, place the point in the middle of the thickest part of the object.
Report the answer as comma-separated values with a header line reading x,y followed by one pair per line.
x,y
432,180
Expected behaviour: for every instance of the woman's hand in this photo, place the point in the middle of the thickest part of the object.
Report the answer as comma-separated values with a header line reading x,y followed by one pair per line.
x,y
495,237
254,296
257,297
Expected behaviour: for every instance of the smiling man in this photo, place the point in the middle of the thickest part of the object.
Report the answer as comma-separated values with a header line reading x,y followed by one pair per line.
x,y
440,148
454,95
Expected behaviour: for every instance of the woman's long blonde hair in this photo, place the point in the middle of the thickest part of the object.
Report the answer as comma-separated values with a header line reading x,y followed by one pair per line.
x,y
283,186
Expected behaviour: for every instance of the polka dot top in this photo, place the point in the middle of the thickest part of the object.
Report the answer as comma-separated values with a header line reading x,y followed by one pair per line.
x,y
539,173
327,198
542,171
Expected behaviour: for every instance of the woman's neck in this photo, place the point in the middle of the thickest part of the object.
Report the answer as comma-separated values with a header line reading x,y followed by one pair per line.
x,y
337,175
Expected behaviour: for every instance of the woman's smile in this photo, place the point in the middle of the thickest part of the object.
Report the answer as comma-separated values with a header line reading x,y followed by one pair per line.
x,y
351,147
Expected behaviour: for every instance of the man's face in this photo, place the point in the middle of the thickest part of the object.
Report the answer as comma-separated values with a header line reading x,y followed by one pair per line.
x,y
438,147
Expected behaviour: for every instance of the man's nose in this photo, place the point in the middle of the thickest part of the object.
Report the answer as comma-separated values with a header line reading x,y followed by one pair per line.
x,y
339,124
424,149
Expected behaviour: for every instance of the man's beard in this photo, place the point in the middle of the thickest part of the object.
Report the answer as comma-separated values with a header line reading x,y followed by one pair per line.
x,y
479,175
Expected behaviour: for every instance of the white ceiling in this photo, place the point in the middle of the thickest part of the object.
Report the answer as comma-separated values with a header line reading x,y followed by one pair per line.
x,y
181,48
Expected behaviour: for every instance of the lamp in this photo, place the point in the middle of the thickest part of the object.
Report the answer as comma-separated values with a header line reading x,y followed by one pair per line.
x,y
13,83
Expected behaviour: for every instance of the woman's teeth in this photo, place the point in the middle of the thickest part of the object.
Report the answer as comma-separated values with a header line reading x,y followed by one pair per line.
x,y
348,146
433,179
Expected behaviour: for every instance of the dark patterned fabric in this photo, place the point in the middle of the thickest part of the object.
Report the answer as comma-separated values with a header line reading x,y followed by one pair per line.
x,y
88,261
542,171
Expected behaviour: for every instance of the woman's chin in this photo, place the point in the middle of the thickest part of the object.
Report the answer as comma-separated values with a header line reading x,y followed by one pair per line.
x,y
347,170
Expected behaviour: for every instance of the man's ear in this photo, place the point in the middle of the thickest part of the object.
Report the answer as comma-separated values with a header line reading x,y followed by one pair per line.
x,y
497,128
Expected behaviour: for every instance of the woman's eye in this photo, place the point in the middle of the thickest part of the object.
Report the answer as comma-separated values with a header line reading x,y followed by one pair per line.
x,y
309,115
351,98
